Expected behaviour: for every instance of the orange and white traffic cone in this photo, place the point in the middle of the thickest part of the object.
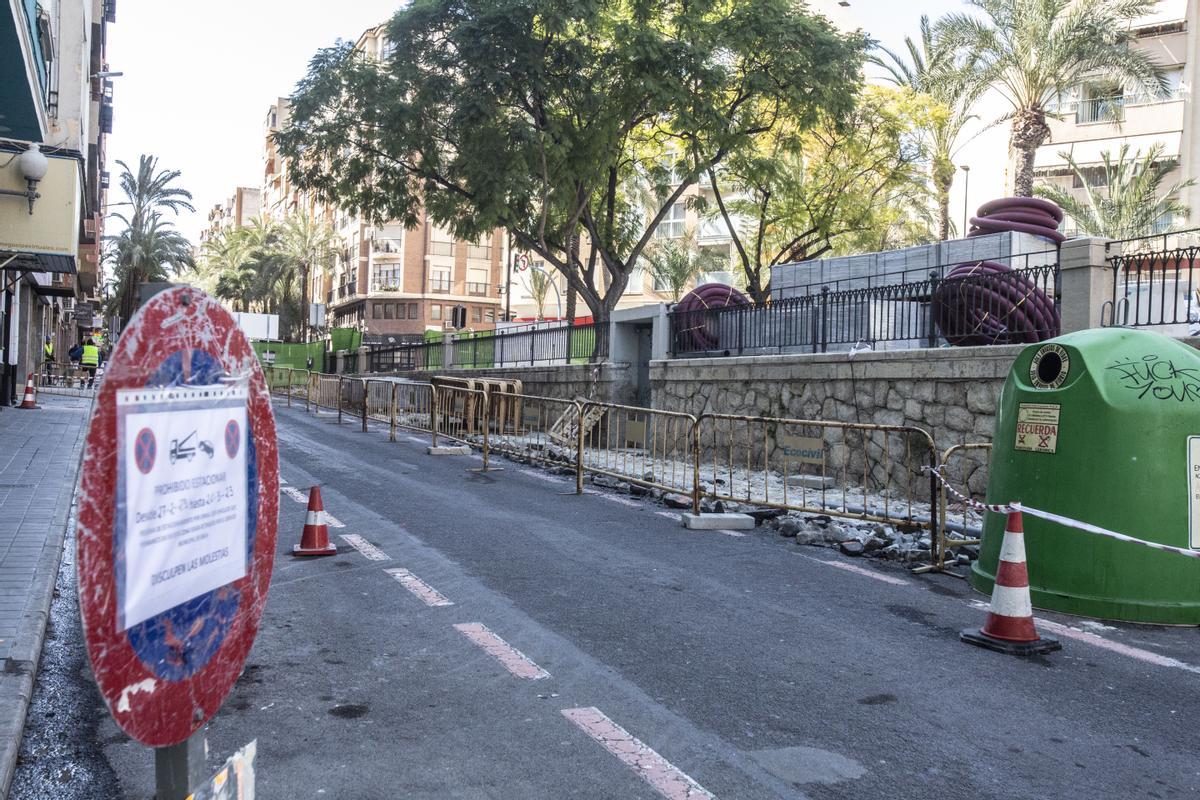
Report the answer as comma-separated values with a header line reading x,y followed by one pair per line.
x,y
1009,627
30,399
315,539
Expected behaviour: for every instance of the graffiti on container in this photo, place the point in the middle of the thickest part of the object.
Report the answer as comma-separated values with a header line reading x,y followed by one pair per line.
x,y
1158,378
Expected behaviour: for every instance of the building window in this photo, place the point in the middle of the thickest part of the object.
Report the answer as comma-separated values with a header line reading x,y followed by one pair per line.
x,y
413,312
439,281
490,316
377,310
388,311
476,314
672,224
435,311
387,278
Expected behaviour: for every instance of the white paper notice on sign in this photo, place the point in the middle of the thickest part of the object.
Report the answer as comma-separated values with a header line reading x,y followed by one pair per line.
x,y
181,496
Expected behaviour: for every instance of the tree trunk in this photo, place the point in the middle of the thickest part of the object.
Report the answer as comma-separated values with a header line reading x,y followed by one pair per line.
x,y
1029,131
572,295
304,301
943,179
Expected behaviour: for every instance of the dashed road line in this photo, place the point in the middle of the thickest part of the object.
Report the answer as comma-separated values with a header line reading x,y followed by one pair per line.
x,y
430,596
367,549
667,779
612,498
509,657
332,521
857,570
295,494
541,476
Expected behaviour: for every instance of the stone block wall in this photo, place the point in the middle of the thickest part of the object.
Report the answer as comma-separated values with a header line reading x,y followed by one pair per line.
x,y
951,392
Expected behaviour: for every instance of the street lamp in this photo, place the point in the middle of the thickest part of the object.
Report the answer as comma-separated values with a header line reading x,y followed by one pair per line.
x,y
33,165
966,193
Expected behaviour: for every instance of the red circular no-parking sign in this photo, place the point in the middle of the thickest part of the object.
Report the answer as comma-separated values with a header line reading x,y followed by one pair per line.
x,y
173,487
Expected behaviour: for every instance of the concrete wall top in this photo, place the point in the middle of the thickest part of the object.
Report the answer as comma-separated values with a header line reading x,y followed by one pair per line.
x,y
1018,250
955,363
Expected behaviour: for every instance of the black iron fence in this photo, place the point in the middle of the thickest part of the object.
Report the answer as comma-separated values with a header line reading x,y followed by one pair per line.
x,y
1155,282
561,344
974,305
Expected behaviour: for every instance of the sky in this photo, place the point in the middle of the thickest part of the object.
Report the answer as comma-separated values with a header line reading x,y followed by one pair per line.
x,y
199,78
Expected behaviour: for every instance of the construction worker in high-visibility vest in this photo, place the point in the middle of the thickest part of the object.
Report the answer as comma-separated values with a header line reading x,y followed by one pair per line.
x,y
90,361
48,358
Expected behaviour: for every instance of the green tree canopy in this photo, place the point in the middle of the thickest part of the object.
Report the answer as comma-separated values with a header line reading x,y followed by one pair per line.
x,y
537,115
803,193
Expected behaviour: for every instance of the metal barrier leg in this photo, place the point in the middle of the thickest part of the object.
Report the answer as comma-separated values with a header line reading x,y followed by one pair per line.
x,y
366,402
291,377
308,393
339,399
392,415
579,448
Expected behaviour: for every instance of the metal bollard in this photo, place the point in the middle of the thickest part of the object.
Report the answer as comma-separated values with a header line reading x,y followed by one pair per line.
x,y
339,399
366,403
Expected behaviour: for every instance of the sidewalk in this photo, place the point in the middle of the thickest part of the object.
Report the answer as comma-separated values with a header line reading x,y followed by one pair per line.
x,y
39,459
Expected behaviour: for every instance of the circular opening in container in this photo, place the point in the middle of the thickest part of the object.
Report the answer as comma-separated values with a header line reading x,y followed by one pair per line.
x,y
1049,368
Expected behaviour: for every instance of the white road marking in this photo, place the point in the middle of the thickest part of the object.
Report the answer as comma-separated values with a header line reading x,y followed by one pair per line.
x,y
671,515
510,657
857,570
541,476
667,779
295,494
332,521
612,498
368,550
430,596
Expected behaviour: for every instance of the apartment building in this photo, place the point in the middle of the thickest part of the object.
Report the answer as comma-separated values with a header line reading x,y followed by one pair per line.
x,y
56,109
1099,115
393,283
242,207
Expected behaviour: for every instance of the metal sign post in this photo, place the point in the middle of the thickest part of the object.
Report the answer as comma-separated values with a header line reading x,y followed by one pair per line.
x,y
177,523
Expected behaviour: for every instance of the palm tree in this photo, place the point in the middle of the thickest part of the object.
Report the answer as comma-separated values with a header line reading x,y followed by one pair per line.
x,y
140,255
226,259
932,68
1031,51
308,242
674,263
1134,198
148,244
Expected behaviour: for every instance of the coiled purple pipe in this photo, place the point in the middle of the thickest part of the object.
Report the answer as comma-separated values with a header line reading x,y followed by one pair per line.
x,y
698,328
987,302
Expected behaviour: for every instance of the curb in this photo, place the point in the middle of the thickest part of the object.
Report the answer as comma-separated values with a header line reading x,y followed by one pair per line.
x,y
27,652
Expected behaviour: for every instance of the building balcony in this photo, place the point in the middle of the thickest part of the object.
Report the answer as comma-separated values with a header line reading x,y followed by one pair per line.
x,y
478,253
440,285
386,247
477,289
441,248
386,287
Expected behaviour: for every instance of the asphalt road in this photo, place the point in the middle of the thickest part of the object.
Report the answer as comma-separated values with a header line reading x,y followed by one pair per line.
x,y
658,662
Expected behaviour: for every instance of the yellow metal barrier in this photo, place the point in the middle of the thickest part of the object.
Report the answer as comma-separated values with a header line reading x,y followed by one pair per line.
x,y
525,427
461,415
959,524
862,471
641,446
326,392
